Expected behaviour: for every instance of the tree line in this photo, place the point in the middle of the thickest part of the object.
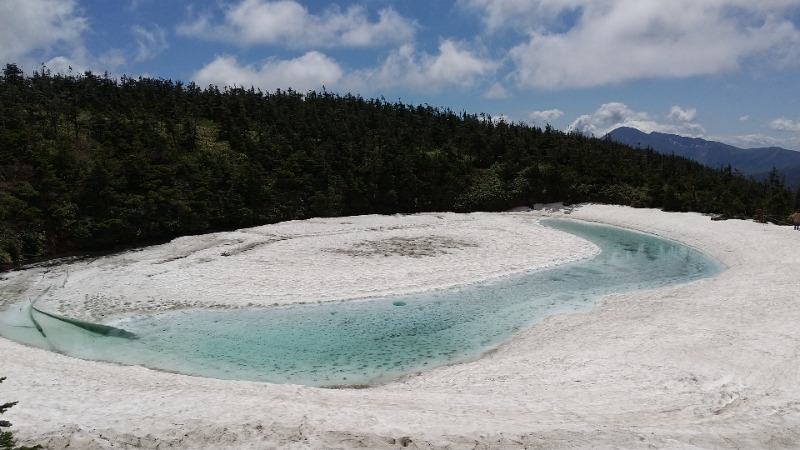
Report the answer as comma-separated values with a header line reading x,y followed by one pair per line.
x,y
91,163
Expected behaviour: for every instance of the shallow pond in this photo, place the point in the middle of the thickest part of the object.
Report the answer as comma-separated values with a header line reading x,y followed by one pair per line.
x,y
364,342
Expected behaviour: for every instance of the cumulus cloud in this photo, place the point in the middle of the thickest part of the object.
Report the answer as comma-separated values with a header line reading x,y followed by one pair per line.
x,y
453,66
744,118
52,32
785,124
50,26
682,114
610,116
616,112
287,22
587,43
149,42
545,116
308,72
81,60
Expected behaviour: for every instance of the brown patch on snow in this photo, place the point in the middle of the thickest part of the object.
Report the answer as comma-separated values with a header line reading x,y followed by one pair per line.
x,y
415,247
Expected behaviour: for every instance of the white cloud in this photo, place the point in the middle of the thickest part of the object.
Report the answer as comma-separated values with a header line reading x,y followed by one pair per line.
x,y
586,43
500,15
744,118
785,124
287,22
359,32
616,112
48,26
149,42
81,61
52,32
682,114
454,66
496,92
758,141
614,115
308,72
545,116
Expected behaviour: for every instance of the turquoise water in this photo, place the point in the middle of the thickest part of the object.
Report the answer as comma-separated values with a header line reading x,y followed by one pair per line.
x,y
365,342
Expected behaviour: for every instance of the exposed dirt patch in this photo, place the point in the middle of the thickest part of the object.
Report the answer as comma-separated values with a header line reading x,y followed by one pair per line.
x,y
415,247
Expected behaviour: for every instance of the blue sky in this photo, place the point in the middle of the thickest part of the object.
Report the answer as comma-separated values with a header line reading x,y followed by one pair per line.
x,y
726,70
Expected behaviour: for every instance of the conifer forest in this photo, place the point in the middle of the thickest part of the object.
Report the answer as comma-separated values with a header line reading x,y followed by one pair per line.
x,y
91,163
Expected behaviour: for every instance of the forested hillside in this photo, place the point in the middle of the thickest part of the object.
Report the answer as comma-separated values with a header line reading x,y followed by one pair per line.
x,y
89,162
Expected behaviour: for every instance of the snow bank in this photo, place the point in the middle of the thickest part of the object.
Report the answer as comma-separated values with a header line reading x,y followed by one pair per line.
x,y
710,364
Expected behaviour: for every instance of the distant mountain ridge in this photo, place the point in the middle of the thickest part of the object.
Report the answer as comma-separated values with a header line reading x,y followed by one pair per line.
x,y
753,162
